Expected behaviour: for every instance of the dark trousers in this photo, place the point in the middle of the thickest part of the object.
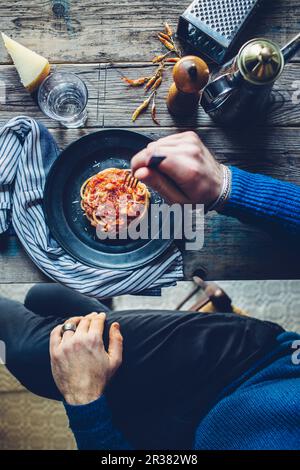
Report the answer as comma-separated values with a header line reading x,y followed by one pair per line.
x,y
175,363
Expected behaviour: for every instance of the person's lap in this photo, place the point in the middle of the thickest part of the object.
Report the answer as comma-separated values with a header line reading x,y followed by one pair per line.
x,y
63,302
174,363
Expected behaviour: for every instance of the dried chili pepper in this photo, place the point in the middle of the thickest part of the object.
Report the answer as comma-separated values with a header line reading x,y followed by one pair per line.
x,y
157,83
172,60
136,82
154,82
166,43
168,29
164,36
150,82
159,58
141,108
153,110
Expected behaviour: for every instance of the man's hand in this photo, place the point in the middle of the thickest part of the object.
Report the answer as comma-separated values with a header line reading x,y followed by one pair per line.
x,y
80,365
189,174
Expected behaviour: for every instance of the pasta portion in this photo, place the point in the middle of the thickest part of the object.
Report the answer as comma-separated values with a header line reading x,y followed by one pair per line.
x,y
109,203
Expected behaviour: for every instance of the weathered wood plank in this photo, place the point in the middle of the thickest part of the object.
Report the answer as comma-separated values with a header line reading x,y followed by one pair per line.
x,y
15,100
121,100
235,251
16,266
111,101
273,152
232,250
94,31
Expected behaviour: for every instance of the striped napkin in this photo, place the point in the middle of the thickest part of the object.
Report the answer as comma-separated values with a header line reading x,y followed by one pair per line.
x,y
27,151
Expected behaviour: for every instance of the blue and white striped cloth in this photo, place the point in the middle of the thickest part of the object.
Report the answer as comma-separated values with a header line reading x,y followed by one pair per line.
x,y
27,151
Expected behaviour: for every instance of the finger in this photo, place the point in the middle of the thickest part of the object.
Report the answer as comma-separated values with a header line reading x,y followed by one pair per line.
x,y
176,166
171,141
68,334
97,325
55,338
83,326
91,315
115,348
161,184
142,158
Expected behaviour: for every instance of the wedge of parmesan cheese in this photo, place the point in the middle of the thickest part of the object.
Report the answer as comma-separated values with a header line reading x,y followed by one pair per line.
x,y
32,67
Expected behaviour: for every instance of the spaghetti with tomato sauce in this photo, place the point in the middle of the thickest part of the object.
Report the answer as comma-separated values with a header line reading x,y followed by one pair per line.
x,y
109,203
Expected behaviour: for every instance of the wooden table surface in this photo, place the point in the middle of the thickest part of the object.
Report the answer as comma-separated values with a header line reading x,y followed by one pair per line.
x,y
98,40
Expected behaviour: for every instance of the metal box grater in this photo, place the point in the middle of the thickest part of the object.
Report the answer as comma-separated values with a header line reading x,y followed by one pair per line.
x,y
213,26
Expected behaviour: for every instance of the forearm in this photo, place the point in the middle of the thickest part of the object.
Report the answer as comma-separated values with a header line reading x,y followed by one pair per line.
x,y
264,201
92,427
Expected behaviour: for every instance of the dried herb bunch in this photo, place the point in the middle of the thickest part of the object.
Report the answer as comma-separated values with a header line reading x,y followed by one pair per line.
x,y
153,82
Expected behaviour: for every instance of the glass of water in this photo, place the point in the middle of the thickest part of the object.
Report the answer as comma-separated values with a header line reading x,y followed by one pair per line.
x,y
63,96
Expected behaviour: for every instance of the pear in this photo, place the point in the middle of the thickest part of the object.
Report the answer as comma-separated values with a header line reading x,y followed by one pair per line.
x,y
32,67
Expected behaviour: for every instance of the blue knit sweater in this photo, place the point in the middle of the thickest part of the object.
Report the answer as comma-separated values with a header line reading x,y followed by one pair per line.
x,y
261,410
264,201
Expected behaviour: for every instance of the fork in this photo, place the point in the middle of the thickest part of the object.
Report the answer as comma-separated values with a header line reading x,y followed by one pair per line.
x,y
131,181
154,162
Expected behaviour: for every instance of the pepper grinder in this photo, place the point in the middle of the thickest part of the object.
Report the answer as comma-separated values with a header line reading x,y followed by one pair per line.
x,y
190,76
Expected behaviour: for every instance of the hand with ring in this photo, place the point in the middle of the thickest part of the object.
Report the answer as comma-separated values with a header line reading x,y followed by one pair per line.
x,y
81,367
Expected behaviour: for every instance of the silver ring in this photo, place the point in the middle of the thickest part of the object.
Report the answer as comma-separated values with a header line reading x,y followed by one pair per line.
x,y
68,326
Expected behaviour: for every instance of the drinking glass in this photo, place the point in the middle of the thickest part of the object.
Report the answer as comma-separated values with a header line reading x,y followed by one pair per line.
x,y
63,96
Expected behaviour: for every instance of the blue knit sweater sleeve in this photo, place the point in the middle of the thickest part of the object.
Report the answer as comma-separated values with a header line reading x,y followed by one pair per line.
x,y
261,411
92,427
264,201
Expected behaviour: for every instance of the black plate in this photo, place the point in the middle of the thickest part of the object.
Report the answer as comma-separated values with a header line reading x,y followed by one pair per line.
x,y
64,216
